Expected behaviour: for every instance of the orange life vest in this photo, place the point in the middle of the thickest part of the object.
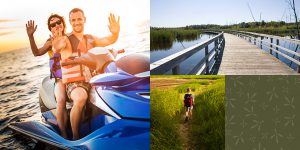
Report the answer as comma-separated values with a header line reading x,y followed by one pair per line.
x,y
73,73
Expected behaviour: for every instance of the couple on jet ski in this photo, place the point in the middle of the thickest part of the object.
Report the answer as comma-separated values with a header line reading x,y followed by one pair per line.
x,y
71,80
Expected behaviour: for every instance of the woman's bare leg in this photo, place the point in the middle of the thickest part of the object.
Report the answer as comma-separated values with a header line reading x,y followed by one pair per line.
x,y
61,115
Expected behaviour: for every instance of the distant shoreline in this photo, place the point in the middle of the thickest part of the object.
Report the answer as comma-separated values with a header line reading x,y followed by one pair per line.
x,y
278,28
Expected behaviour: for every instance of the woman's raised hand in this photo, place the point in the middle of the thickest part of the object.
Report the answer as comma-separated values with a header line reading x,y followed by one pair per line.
x,y
114,25
30,28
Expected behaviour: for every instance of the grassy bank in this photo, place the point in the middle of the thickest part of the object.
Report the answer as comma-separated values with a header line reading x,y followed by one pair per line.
x,y
163,131
167,109
278,31
279,28
208,118
211,77
162,38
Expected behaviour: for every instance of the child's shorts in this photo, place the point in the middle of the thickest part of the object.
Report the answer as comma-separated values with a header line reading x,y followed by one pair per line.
x,y
187,109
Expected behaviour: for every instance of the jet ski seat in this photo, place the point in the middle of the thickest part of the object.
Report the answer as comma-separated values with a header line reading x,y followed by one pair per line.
x,y
47,98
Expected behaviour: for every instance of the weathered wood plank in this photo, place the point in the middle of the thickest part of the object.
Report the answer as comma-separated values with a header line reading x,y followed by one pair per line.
x,y
243,58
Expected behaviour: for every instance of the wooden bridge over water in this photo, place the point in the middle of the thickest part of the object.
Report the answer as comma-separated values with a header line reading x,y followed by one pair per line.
x,y
241,54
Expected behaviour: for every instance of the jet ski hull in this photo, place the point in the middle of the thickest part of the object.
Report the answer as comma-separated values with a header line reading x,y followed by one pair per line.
x,y
120,134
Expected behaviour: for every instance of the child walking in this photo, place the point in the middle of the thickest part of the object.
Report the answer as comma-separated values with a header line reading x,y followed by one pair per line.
x,y
188,104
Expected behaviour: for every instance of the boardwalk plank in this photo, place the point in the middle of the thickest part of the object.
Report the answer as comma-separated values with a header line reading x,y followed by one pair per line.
x,y
243,58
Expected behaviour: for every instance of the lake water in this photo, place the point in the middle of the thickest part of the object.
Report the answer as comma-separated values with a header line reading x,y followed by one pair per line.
x,y
21,76
188,64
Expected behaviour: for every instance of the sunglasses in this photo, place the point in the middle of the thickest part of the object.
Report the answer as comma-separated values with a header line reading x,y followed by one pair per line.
x,y
58,22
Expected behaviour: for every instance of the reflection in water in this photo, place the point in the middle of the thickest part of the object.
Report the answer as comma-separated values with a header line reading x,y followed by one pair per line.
x,y
161,45
166,44
187,65
187,38
161,39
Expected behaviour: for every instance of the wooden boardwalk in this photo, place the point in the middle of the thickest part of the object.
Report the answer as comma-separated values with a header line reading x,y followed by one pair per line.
x,y
243,58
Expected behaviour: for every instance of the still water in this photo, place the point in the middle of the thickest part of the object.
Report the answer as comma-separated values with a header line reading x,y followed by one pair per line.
x,y
186,66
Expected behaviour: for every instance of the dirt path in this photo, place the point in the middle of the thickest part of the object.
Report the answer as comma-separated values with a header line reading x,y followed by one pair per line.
x,y
182,126
183,131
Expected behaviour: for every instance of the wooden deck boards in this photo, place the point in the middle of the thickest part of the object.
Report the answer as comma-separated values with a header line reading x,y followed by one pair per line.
x,y
243,58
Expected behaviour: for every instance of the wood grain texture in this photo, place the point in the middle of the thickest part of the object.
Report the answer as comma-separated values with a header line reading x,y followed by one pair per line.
x,y
243,58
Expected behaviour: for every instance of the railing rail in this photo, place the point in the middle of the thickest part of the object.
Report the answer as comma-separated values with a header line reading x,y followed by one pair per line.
x,y
295,41
173,61
258,39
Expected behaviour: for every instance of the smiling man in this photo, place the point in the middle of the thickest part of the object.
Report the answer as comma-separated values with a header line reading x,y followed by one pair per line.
x,y
76,77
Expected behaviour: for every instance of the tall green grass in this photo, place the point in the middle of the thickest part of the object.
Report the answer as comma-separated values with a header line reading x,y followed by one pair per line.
x,y
279,31
163,38
165,105
208,117
212,77
207,125
194,85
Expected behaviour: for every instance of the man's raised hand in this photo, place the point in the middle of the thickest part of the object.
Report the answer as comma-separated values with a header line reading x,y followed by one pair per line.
x,y
114,26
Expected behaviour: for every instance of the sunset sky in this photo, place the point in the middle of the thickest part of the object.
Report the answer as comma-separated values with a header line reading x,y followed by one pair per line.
x,y
14,14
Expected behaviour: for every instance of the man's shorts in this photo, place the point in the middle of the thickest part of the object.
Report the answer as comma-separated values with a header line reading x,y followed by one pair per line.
x,y
71,86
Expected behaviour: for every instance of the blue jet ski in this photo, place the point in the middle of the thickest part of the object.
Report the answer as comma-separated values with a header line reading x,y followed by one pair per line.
x,y
117,115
